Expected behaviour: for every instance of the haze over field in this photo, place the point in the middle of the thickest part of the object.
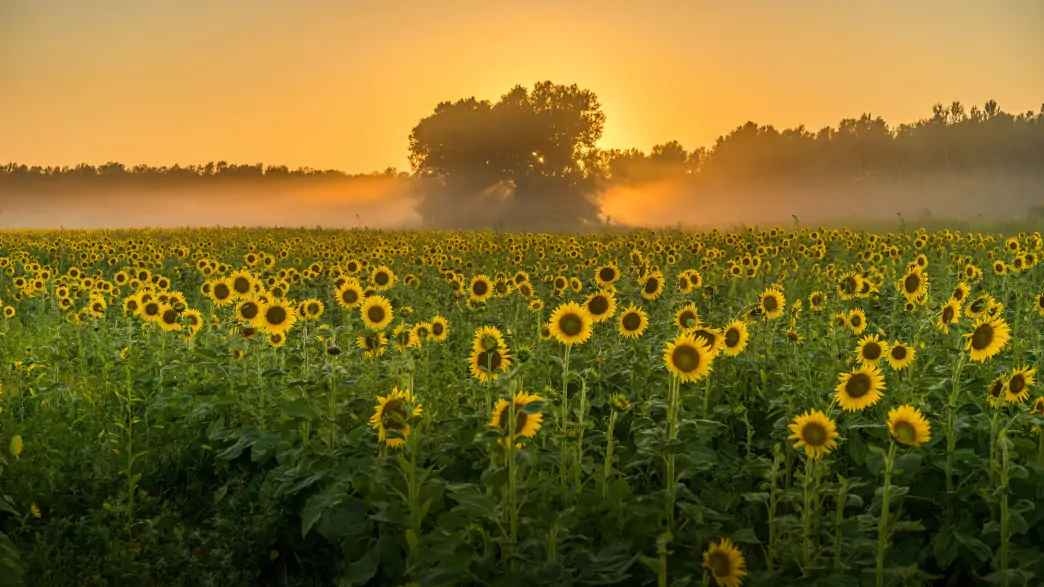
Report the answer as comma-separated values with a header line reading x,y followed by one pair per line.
x,y
841,98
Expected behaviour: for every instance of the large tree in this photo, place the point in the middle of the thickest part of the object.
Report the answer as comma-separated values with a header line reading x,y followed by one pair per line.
x,y
527,161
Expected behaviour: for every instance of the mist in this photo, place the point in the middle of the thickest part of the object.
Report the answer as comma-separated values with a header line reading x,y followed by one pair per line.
x,y
374,201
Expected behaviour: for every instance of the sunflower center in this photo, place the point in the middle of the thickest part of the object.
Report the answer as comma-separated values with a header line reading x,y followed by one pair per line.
x,y
241,285
381,278
904,432
571,324
275,315
898,352
170,316
982,337
249,310
856,320
480,288
375,314
631,321
816,300
350,296
719,564
814,434
598,305
606,274
436,329
858,385
947,315
996,388
732,337
651,285
685,358
687,319
1017,383
221,291
771,303
911,283
872,351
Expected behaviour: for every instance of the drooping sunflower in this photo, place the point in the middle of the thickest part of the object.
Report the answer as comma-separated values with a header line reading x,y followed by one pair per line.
x,y
601,306
1017,389
393,415
439,328
814,432
382,278
856,320
687,317
772,303
570,324
350,294
900,355
725,563
652,285
960,292
688,359
194,320
275,316
949,315
632,322
528,417
995,391
859,388
908,426
871,349
987,338
480,289
376,312
735,338
373,344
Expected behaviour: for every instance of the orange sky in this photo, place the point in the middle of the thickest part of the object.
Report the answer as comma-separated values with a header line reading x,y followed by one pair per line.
x,y
340,84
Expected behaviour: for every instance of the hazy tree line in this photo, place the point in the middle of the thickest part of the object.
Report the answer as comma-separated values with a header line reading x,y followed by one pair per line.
x,y
531,160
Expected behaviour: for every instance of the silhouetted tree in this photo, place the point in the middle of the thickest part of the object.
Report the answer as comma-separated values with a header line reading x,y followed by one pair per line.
x,y
527,161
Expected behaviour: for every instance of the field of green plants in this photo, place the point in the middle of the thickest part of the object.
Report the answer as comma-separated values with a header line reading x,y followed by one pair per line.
x,y
318,407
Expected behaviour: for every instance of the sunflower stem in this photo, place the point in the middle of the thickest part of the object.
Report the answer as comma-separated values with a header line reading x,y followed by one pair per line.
x,y
1005,522
808,513
607,466
670,483
951,423
563,456
882,522
581,410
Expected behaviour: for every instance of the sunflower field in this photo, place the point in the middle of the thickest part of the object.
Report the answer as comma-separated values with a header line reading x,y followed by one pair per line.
x,y
318,407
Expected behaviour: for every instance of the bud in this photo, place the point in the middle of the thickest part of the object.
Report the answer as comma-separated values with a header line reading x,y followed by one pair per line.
x,y
16,446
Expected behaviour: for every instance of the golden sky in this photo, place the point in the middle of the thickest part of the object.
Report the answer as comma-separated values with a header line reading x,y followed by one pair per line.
x,y
340,84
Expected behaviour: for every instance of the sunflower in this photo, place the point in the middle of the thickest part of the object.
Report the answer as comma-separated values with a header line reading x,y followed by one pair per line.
x,y
735,338
1040,304
908,426
486,364
900,355
607,274
988,337
772,303
995,391
168,318
439,328
242,283
688,359
914,284
652,285
372,344
712,337
275,316
632,322
376,312
194,320
1017,389
220,292
859,388
871,349
9,312
527,415
480,289
814,432
960,292
248,310
601,306
571,324
312,309
382,278
392,417
856,320
725,563
349,294
816,300
949,315
687,317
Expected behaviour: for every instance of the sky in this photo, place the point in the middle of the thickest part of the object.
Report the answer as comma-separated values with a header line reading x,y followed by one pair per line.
x,y
340,84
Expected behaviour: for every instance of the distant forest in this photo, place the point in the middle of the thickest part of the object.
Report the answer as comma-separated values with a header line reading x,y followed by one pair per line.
x,y
532,156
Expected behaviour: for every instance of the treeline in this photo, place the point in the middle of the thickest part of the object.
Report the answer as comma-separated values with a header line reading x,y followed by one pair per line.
x,y
952,140
115,174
